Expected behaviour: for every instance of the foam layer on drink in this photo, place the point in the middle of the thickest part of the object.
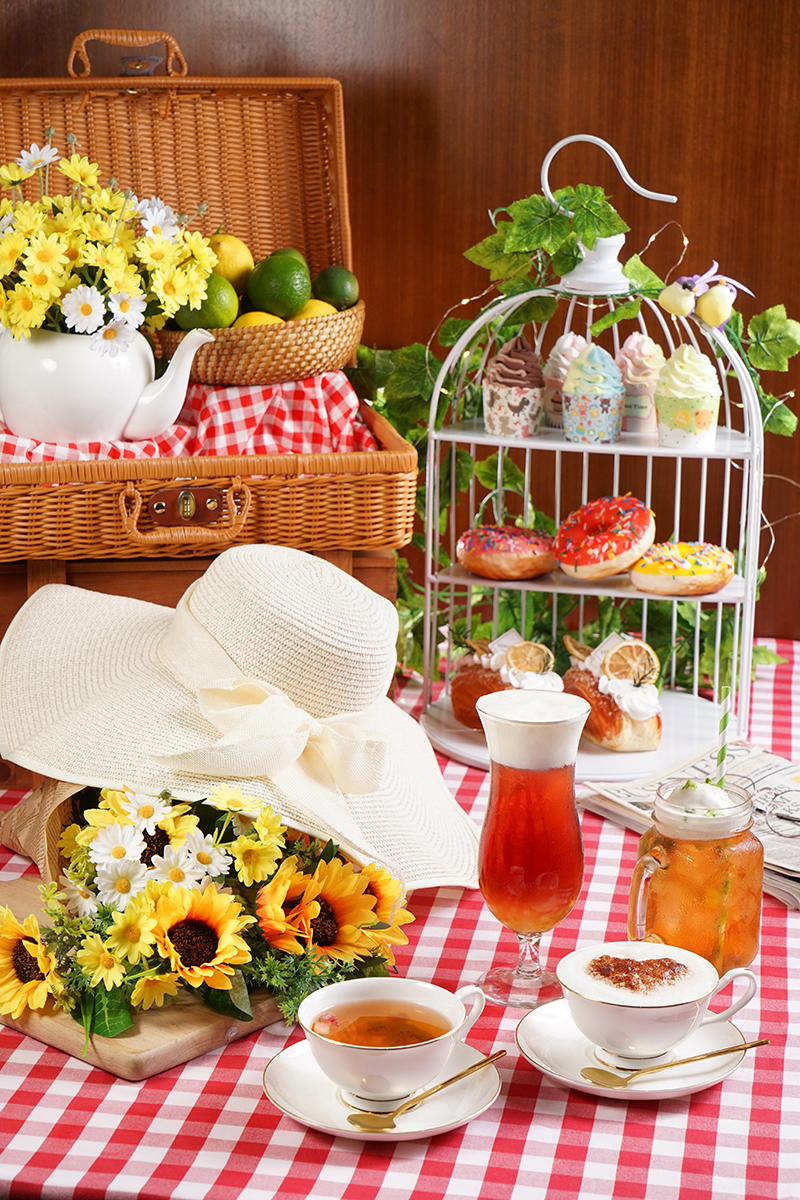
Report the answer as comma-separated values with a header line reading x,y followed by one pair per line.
x,y
533,731
701,810
637,974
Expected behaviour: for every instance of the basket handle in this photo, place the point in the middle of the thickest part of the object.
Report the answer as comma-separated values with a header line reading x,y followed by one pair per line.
x,y
132,38
177,535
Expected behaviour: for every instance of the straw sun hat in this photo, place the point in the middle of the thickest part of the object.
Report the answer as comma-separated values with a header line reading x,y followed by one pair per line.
x,y
270,674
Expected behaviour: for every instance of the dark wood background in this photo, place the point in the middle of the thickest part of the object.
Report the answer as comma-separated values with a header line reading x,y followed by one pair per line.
x,y
451,106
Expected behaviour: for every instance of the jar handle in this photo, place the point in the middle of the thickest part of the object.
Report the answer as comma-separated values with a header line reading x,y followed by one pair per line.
x,y
637,902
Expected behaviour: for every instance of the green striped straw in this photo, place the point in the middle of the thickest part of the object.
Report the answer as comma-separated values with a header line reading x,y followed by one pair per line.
x,y
724,717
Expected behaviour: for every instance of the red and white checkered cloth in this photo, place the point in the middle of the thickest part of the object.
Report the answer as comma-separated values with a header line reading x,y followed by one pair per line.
x,y
204,1130
310,416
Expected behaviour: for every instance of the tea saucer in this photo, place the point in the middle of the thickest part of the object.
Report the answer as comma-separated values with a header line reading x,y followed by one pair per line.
x,y
550,1040
294,1083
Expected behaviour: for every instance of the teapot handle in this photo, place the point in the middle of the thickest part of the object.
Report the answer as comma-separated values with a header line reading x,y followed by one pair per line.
x,y
178,535
132,38
619,164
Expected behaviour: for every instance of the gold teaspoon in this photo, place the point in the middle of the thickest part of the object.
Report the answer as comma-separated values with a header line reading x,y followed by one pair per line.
x,y
608,1079
379,1121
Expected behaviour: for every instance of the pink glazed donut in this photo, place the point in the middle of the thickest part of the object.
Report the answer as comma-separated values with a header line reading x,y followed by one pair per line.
x,y
506,552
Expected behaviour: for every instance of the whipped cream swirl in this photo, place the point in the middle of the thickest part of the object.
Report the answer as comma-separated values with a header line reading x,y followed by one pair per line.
x,y
565,349
593,373
640,360
688,375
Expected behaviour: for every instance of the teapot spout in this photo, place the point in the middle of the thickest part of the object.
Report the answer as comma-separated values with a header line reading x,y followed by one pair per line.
x,y
162,400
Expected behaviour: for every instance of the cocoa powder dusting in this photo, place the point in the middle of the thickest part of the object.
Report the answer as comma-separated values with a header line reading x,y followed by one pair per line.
x,y
637,975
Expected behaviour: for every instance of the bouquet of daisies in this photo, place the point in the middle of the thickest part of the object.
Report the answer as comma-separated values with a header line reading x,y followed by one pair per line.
x,y
217,896
94,260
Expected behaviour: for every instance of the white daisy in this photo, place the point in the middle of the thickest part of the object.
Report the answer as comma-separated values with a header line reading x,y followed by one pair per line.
x,y
158,219
120,882
244,823
7,220
81,901
127,308
37,157
113,338
84,309
116,843
177,867
144,811
207,857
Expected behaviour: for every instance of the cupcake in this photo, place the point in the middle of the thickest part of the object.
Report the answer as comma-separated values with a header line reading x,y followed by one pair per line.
x,y
512,391
640,360
593,395
568,346
687,400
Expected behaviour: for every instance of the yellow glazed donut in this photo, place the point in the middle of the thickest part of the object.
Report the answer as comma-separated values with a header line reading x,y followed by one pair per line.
x,y
683,569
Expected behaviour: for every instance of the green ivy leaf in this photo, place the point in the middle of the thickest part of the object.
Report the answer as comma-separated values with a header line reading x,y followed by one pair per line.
x,y
493,254
592,215
234,1003
623,312
464,470
452,330
372,369
486,473
646,280
112,1013
537,225
774,339
537,309
762,655
777,416
567,257
414,375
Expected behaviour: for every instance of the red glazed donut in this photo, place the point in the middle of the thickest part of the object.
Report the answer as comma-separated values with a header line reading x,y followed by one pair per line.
x,y
505,552
604,537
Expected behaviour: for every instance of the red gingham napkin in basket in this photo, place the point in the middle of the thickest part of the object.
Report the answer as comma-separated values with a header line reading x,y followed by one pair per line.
x,y
310,416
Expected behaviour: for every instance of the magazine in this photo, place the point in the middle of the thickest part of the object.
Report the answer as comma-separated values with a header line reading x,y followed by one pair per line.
x,y
776,804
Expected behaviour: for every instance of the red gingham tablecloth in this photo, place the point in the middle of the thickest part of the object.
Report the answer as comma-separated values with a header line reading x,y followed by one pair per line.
x,y
206,1129
310,416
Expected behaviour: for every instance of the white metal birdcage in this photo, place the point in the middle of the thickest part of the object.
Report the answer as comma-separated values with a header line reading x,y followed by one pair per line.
x,y
714,496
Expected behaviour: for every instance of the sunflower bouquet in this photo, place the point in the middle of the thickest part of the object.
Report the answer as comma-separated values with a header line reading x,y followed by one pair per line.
x,y
96,261
217,896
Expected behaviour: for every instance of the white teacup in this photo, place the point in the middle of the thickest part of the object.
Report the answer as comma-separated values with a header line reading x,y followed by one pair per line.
x,y
634,1028
378,1078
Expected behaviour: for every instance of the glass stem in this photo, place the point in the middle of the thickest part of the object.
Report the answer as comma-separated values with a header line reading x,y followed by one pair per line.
x,y
528,964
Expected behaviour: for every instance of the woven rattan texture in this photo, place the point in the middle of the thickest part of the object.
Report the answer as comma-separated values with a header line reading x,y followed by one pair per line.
x,y
266,354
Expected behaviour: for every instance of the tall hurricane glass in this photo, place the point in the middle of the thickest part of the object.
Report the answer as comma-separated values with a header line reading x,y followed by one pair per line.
x,y
530,859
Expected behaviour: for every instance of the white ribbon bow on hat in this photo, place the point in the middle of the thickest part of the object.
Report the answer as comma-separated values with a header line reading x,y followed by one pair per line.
x,y
264,733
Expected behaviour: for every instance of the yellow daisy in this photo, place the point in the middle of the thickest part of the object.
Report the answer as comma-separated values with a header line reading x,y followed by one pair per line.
x,y
345,906
25,965
11,246
199,249
80,170
199,933
45,253
68,842
28,218
131,936
231,799
154,989
255,861
24,310
12,175
157,253
269,826
44,284
99,964
107,258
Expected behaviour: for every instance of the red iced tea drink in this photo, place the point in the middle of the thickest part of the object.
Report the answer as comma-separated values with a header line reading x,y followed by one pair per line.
x,y
530,859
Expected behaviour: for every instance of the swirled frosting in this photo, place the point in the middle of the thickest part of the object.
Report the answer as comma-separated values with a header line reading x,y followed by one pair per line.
x,y
566,348
640,360
593,373
515,365
688,375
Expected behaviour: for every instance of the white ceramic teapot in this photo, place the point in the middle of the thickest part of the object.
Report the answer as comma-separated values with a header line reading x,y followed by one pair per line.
x,y
54,387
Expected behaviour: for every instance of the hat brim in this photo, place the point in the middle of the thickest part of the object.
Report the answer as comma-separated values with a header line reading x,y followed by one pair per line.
x,y
85,698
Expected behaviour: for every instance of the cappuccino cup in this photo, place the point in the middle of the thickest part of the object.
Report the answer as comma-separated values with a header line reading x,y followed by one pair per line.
x,y
377,1076
637,1001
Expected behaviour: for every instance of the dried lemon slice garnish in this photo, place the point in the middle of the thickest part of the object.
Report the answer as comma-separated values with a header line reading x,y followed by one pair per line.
x,y
530,656
479,645
632,660
576,649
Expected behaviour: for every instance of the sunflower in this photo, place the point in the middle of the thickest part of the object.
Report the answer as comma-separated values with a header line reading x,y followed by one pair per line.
x,y
26,968
389,896
279,930
199,933
344,907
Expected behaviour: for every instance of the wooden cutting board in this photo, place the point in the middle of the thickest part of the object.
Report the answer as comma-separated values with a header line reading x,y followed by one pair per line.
x,y
159,1039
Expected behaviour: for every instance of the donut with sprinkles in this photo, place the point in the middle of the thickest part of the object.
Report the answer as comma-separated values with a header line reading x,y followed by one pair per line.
x,y
604,537
683,569
505,552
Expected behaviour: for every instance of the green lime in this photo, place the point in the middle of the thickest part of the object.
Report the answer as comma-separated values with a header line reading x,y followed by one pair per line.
x,y
218,311
336,286
289,252
280,285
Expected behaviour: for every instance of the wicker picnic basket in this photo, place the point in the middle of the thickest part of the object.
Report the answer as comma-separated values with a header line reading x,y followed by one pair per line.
x,y
267,156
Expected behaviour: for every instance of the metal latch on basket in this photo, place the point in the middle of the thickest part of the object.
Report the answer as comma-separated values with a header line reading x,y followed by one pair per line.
x,y
186,506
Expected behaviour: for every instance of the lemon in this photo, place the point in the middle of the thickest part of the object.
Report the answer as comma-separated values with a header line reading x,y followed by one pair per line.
x,y
281,285
315,308
530,656
289,252
234,260
337,286
632,660
217,311
256,318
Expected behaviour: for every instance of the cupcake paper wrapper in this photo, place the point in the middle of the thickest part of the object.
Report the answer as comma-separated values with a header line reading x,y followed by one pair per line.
x,y
511,411
593,418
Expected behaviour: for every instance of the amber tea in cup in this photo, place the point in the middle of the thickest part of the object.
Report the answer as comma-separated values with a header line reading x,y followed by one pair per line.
x,y
380,1023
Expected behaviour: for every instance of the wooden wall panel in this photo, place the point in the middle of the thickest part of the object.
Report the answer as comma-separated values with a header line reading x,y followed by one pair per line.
x,y
452,104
